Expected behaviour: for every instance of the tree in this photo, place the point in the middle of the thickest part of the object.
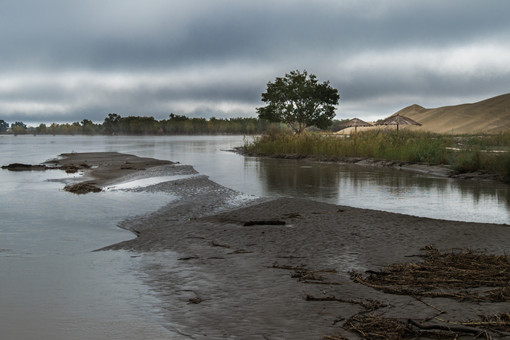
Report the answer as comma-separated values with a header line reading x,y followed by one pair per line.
x,y
88,127
18,128
178,118
111,123
3,125
41,129
299,100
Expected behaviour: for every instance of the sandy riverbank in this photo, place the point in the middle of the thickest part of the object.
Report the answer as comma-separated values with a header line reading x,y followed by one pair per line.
x,y
230,266
238,271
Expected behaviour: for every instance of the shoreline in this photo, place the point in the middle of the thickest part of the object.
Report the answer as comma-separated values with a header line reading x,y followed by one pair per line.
x,y
438,170
229,266
243,280
105,168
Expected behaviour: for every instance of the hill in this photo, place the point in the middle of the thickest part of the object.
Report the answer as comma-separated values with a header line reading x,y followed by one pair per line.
x,y
487,116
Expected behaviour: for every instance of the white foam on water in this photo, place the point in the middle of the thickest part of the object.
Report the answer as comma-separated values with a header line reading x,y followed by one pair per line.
x,y
240,199
145,182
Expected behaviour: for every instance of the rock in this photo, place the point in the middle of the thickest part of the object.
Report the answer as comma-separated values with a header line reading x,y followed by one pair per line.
x,y
24,167
82,188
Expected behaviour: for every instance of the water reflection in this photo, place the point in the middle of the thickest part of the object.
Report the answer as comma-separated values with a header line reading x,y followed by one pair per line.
x,y
290,177
386,189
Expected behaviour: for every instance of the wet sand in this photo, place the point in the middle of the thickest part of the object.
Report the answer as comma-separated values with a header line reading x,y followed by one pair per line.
x,y
221,277
103,168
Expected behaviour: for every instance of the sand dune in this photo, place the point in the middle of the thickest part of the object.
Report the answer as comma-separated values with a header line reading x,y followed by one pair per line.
x,y
488,116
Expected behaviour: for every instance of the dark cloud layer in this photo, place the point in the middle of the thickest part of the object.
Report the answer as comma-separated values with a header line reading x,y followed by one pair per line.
x,y
67,60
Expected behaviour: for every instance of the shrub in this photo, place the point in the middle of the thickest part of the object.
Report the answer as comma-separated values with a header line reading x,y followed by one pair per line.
x,y
462,153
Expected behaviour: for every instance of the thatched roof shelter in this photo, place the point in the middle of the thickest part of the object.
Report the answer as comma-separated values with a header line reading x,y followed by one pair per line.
x,y
355,122
398,120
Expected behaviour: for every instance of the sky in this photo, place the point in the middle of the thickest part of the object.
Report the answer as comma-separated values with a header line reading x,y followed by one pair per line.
x,y
65,61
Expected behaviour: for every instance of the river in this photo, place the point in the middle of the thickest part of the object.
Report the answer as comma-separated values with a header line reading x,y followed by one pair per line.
x,y
53,286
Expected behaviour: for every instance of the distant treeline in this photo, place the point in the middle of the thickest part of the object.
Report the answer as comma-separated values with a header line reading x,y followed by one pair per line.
x,y
114,124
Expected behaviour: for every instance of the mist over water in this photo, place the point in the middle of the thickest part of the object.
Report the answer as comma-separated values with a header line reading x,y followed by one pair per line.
x,y
53,286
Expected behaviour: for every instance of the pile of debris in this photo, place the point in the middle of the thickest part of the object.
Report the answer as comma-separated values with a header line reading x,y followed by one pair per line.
x,y
463,275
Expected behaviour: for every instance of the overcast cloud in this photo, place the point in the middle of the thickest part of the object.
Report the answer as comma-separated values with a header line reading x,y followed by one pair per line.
x,y
63,61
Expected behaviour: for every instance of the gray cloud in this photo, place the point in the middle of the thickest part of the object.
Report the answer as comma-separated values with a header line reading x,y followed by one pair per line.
x,y
65,61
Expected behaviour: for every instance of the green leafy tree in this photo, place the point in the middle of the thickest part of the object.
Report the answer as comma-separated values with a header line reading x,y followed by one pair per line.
x,y
88,127
41,129
136,125
3,125
299,100
177,118
111,123
18,128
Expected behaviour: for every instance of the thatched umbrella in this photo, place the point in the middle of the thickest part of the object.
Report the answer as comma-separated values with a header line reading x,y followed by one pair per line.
x,y
398,120
355,122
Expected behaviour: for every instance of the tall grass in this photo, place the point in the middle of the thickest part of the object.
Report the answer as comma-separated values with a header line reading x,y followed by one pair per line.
x,y
462,153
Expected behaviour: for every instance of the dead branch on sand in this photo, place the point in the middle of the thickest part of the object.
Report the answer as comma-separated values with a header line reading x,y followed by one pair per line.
x,y
309,276
452,275
368,304
462,275
372,326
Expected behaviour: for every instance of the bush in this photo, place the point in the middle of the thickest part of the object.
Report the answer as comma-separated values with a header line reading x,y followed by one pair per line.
x,y
463,154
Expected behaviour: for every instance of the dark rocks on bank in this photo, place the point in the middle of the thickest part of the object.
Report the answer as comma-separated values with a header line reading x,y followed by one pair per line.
x,y
82,188
72,168
68,168
24,167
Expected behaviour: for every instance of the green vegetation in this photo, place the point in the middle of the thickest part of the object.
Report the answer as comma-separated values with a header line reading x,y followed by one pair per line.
x,y
3,125
114,124
18,128
299,100
463,153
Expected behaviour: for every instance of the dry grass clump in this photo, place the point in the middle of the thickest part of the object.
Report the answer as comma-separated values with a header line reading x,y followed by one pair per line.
x,y
500,322
463,275
373,326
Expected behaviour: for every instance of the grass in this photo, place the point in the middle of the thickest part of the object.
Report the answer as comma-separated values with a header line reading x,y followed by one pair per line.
x,y
463,153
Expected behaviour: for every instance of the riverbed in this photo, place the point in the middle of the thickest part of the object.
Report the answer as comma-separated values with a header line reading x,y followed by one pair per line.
x,y
59,288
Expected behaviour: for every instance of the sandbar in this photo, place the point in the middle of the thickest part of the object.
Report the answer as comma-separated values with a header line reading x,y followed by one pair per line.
x,y
228,266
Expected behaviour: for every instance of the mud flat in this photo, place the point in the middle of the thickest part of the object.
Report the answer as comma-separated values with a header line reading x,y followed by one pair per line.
x,y
226,265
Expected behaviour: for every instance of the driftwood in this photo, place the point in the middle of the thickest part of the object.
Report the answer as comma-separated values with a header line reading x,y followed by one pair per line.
x,y
368,304
463,275
450,328
309,276
460,275
372,326
369,325
268,222
333,337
